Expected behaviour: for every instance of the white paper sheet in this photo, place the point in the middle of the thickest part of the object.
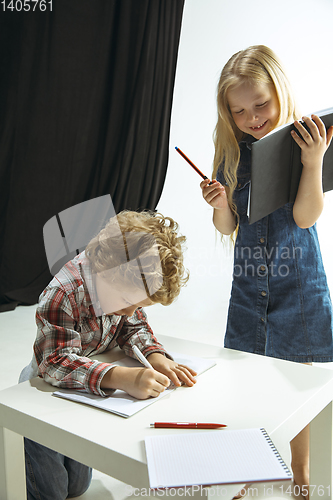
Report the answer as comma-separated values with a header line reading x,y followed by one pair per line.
x,y
122,403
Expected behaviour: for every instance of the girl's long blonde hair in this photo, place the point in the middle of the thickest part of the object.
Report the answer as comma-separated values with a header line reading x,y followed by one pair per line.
x,y
256,64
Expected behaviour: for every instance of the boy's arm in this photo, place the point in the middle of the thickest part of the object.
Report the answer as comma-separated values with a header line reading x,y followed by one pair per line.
x,y
138,382
59,353
309,201
58,346
137,331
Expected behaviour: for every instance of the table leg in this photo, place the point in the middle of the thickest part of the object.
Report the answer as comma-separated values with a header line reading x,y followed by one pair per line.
x,y
321,455
12,466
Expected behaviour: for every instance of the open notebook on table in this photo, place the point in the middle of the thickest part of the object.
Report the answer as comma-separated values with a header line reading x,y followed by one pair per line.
x,y
214,457
122,403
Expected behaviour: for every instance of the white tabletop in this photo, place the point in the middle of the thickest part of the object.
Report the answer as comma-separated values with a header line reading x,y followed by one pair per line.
x,y
242,390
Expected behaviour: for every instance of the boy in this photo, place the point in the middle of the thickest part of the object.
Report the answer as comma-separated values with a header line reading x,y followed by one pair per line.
x,y
92,305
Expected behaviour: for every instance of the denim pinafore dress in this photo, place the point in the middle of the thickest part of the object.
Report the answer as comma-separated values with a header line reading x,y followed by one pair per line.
x,y
280,304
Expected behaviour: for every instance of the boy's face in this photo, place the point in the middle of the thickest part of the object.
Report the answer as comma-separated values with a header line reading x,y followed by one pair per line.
x,y
120,301
254,108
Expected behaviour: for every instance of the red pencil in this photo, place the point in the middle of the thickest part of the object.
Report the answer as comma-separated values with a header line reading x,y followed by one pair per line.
x,y
186,425
190,162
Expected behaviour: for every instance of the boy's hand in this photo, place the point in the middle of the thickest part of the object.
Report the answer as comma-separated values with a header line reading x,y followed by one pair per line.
x,y
214,194
313,143
141,383
175,372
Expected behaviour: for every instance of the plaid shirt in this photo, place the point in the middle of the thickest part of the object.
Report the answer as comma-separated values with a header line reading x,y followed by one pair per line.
x,y
69,331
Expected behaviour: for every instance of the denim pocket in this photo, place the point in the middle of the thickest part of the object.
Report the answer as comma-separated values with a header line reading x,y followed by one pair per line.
x,y
241,196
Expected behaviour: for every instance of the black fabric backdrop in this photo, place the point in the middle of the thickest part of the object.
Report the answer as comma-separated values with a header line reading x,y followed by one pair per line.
x,y
85,102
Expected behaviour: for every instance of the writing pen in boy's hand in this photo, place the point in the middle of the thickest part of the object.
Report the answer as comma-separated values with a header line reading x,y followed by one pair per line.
x,y
141,357
186,425
145,362
191,163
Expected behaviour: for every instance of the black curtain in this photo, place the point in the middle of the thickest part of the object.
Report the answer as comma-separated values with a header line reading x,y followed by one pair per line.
x,y
85,102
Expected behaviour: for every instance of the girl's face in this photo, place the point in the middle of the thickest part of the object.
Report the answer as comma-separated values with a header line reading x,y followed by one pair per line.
x,y
254,108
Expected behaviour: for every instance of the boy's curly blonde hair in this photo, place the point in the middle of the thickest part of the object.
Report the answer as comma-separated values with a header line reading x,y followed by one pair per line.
x,y
149,239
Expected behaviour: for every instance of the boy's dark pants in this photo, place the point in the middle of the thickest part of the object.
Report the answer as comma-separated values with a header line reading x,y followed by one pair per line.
x,y
52,476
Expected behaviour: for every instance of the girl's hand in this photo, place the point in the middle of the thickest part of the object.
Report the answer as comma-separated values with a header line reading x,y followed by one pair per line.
x,y
141,383
175,372
214,194
313,143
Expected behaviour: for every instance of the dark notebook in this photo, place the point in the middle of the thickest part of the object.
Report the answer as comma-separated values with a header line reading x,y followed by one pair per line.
x,y
276,169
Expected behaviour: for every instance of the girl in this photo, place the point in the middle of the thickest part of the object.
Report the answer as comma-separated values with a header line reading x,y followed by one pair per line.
x,y
280,304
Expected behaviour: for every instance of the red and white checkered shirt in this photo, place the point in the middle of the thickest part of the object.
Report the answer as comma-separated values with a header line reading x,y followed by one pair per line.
x,y
69,331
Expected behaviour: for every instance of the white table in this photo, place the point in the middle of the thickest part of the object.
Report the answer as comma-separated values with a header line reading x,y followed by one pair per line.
x,y
242,390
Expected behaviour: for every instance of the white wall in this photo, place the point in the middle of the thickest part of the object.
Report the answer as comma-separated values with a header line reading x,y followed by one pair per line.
x,y
300,32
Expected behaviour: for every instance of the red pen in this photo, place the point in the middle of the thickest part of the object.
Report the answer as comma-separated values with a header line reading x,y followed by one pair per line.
x,y
186,425
192,164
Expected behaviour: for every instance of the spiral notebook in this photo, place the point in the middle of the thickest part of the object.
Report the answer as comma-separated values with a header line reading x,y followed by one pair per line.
x,y
214,457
